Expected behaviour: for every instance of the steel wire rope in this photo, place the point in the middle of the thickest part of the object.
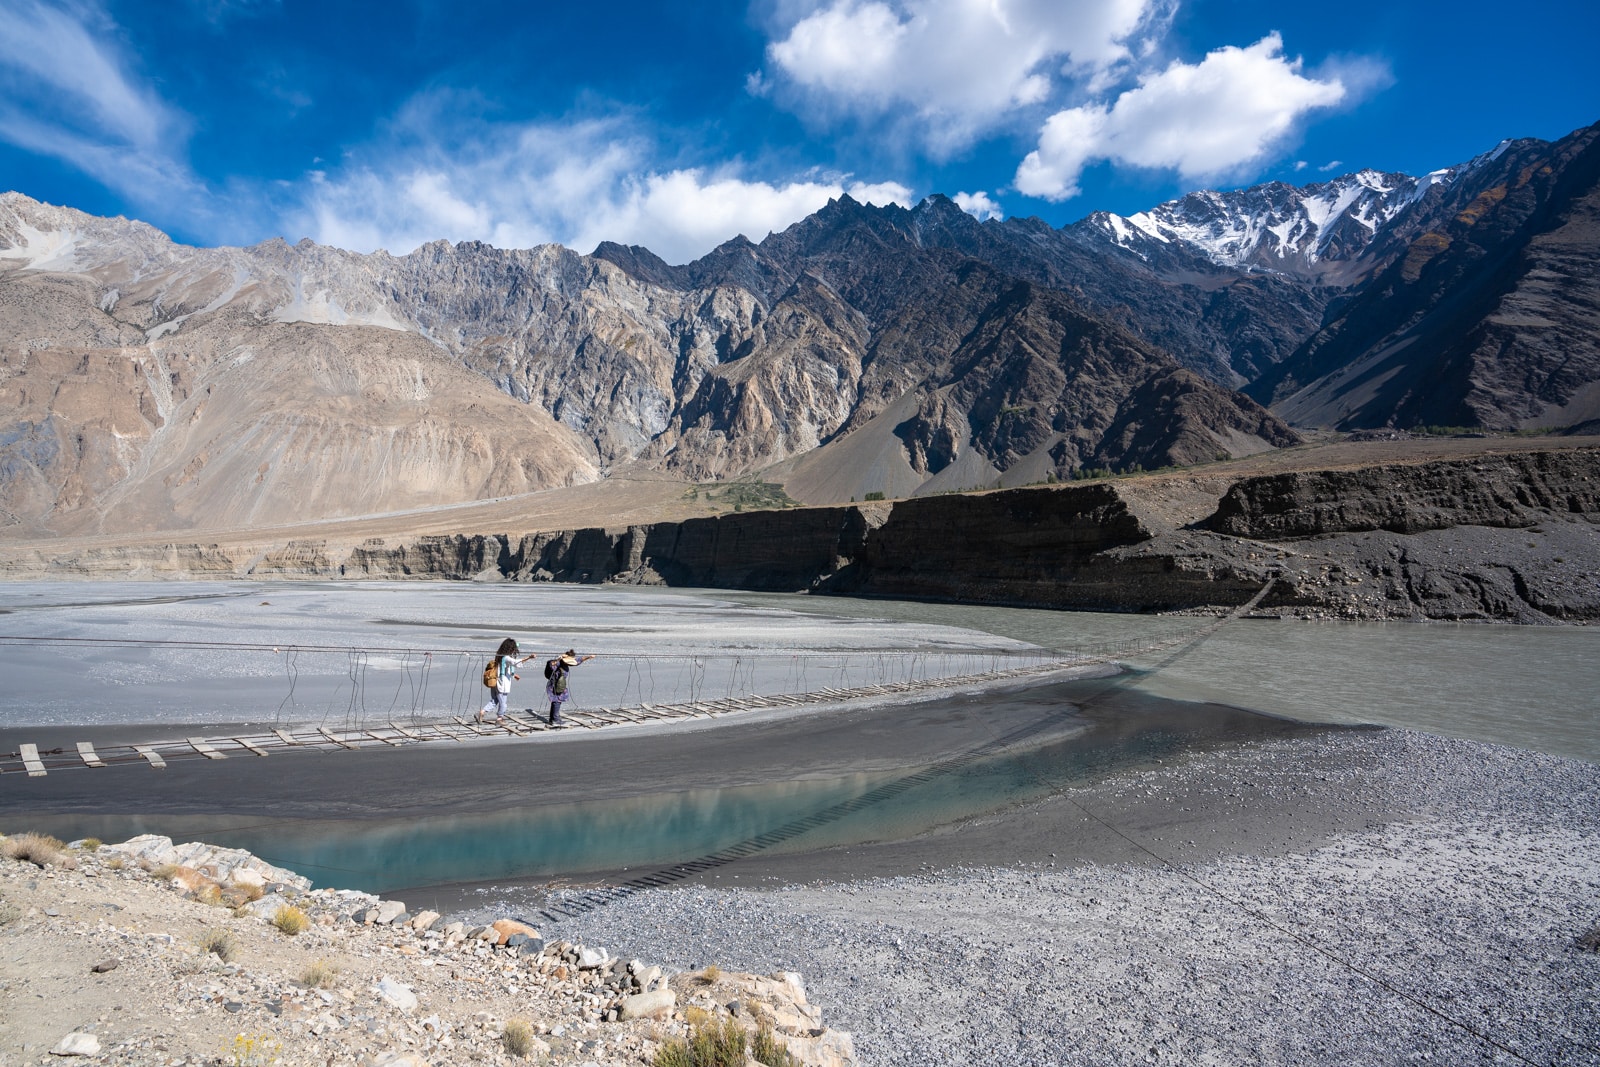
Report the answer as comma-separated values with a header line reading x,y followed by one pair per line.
x,y
282,648
420,708
291,665
405,677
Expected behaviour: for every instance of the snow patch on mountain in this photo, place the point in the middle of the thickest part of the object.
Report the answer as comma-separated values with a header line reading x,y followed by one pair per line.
x,y
1270,226
1277,226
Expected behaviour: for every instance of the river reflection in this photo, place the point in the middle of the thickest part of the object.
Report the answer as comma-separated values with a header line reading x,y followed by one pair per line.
x,y
1016,753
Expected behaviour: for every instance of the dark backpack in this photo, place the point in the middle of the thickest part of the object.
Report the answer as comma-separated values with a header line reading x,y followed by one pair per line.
x,y
549,668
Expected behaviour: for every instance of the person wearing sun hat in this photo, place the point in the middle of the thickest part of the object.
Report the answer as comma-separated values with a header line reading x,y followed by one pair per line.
x,y
555,686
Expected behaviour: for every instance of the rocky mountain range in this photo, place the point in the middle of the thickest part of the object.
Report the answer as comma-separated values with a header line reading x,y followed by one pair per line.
x,y
150,385
1488,317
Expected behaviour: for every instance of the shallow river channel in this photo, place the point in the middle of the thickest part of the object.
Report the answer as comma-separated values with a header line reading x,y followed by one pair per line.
x,y
154,661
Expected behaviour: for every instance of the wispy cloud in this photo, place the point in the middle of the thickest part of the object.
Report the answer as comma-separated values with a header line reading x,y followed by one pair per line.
x,y
954,68
70,93
1210,119
575,182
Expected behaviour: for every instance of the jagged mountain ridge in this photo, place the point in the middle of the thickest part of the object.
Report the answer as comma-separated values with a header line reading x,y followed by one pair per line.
x,y
1489,317
706,382
1321,232
861,340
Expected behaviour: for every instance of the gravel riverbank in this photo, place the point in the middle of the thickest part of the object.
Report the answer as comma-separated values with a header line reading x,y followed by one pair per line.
x,y
1438,920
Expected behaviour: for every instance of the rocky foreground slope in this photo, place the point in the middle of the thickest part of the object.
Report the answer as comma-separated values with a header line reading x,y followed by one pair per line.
x,y
1511,536
148,953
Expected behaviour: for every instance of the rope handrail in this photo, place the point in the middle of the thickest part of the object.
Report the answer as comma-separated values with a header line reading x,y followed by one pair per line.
x,y
362,728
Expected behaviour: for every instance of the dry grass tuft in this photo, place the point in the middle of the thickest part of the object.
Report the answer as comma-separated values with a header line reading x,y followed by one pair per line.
x,y
89,844
42,850
220,943
517,1037
211,894
320,975
165,872
767,1048
713,1044
710,975
239,895
9,913
290,919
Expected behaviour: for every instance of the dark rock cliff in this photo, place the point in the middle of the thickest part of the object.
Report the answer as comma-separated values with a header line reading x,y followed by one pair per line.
x,y
1512,537
1514,491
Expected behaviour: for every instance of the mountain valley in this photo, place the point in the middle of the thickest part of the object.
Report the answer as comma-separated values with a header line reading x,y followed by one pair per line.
x,y
149,388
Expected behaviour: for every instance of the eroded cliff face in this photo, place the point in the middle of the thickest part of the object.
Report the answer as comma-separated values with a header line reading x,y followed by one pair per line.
x,y
1512,537
1512,491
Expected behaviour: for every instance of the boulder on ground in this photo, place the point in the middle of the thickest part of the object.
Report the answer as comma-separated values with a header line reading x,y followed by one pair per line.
x,y
154,850
77,1044
648,1005
504,928
397,993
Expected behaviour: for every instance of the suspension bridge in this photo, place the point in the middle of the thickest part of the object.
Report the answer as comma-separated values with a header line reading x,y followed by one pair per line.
x,y
698,687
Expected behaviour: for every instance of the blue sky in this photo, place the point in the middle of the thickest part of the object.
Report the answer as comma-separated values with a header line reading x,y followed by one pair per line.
x,y
676,126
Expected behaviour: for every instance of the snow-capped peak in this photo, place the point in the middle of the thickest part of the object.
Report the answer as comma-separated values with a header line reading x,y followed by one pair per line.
x,y
1280,227
1273,226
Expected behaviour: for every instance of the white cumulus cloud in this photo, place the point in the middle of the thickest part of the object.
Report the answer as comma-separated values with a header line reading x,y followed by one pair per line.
x,y
1207,119
957,67
575,183
979,205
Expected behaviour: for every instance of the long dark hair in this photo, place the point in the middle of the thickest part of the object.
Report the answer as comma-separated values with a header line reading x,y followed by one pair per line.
x,y
508,647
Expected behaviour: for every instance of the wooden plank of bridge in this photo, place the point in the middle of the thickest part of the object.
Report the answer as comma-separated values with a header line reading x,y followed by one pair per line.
x,y
323,730
251,745
403,732
156,762
287,738
531,725
86,751
31,760
376,736
200,745
656,711
471,727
